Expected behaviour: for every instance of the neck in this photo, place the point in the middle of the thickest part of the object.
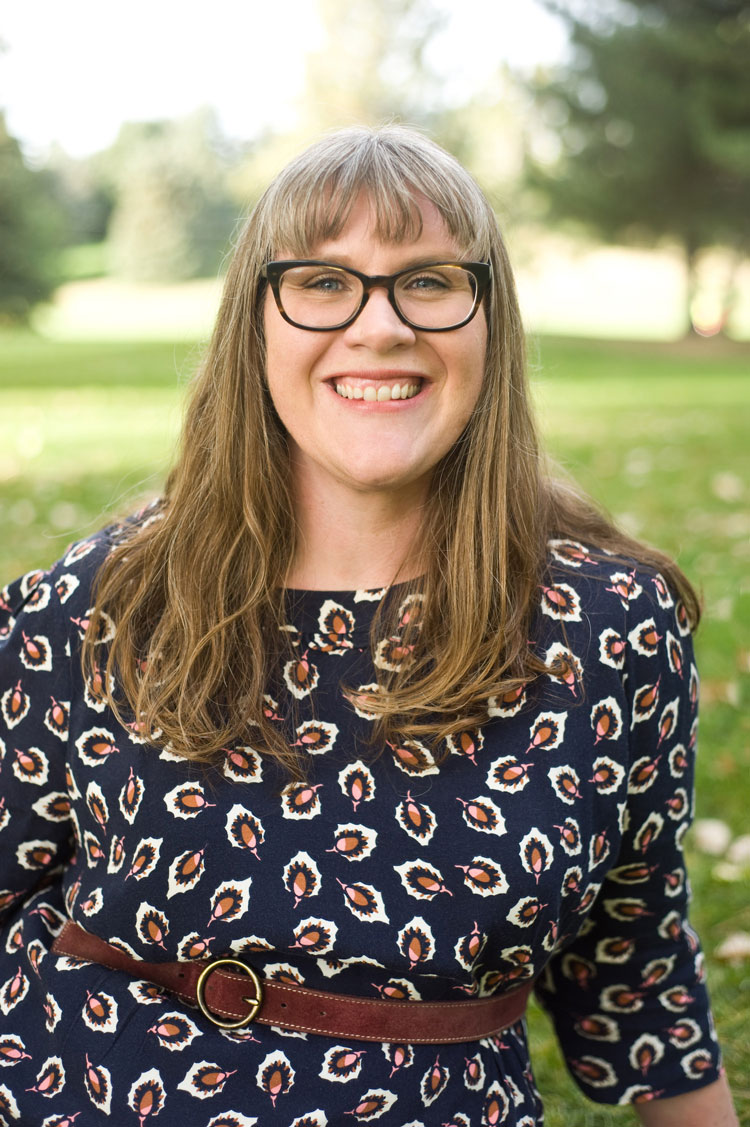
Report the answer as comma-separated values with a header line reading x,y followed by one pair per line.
x,y
355,541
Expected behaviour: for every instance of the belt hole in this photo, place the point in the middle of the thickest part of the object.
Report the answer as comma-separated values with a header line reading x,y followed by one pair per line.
x,y
283,1005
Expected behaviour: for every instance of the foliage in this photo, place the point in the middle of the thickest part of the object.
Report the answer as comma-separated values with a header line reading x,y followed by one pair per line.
x,y
375,66
83,260
30,232
172,216
84,194
651,122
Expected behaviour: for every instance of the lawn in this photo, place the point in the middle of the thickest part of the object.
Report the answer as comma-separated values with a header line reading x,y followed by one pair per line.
x,y
658,433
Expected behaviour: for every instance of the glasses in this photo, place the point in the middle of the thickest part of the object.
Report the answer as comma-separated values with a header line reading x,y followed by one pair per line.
x,y
321,297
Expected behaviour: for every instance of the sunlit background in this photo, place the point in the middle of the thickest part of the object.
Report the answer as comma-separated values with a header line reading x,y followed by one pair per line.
x,y
146,130
613,139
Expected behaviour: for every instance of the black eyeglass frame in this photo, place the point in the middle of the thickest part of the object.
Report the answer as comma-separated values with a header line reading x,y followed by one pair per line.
x,y
273,271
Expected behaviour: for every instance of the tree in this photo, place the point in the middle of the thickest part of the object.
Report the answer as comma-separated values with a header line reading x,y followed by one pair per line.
x,y
372,68
30,232
83,193
173,216
651,121
375,64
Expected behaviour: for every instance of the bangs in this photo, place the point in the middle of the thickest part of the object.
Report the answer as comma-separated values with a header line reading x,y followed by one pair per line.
x,y
327,207
310,202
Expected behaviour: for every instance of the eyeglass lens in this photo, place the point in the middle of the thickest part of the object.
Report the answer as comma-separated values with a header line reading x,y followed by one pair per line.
x,y
433,297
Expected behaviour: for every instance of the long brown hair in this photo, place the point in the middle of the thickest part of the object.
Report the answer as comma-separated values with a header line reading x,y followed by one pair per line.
x,y
197,590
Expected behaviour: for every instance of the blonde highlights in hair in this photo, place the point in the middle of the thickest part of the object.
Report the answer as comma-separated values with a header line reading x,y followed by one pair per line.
x,y
197,594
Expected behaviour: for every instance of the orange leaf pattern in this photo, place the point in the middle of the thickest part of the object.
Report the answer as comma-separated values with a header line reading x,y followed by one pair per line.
x,y
542,841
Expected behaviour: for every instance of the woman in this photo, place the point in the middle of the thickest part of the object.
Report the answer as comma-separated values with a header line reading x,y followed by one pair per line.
x,y
367,702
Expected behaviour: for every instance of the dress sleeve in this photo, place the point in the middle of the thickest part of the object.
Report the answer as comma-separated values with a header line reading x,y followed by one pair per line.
x,y
35,668
627,996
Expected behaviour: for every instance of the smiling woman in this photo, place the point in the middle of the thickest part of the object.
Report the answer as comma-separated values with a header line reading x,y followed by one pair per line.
x,y
373,407
362,620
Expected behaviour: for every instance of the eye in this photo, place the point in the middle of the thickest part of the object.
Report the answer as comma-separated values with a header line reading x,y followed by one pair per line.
x,y
326,283
428,281
319,281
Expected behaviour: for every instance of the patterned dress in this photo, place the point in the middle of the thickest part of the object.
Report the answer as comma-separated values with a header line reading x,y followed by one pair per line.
x,y
546,844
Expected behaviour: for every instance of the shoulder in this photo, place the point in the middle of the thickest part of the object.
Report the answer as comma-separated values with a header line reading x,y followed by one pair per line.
x,y
601,583
611,608
68,583
623,639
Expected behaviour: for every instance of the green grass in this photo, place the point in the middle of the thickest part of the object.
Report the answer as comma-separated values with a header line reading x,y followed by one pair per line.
x,y
85,429
84,260
658,433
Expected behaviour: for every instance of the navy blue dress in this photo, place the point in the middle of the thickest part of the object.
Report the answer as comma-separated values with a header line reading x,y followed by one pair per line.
x,y
546,844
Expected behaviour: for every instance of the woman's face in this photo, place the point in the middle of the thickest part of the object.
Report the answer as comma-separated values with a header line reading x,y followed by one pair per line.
x,y
362,444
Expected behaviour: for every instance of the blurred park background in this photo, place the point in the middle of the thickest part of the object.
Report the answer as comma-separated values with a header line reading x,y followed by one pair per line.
x,y
613,138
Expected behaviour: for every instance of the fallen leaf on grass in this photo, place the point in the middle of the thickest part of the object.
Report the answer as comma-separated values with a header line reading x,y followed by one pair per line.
x,y
727,872
722,609
723,692
735,947
711,835
739,851
727,486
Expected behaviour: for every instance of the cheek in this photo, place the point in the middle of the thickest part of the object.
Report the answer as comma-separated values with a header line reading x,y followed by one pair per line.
x,y
290,354
279,362
470,362
273,326
466,403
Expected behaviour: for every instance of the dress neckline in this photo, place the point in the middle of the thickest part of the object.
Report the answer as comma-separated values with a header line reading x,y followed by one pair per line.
x,y
312,611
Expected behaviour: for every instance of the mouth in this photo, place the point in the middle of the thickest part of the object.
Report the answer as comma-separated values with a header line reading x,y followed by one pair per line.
x,y
378,391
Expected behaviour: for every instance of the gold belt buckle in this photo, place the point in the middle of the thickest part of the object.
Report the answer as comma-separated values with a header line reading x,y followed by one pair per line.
x,y
254,1002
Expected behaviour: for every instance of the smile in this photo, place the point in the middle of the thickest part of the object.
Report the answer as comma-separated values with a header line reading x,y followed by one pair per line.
x,y
383,393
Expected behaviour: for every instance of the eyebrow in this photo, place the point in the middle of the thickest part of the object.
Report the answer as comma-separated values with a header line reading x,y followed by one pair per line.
x,y
346,261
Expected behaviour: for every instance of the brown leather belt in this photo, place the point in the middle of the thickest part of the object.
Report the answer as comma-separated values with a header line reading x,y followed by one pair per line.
x,y
233,1000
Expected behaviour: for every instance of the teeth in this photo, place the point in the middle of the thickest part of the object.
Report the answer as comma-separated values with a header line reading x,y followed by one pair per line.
x,y
383,394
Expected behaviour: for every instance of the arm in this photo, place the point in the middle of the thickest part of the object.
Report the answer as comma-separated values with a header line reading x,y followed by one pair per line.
x,y
709,1107
35,826
628,994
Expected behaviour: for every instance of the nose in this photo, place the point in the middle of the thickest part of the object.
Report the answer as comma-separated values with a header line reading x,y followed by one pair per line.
x,y
378,326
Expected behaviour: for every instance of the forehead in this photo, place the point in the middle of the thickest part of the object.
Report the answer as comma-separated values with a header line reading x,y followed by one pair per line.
x,y
405,217
426,234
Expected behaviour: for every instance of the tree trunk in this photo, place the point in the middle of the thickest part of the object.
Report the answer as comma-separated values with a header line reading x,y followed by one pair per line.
x,y
712,320
730,291
691,287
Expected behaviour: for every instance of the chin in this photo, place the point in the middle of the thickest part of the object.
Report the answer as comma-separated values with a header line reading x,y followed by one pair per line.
x,y
378,478
380,484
